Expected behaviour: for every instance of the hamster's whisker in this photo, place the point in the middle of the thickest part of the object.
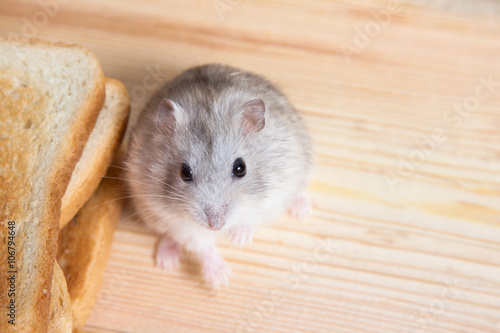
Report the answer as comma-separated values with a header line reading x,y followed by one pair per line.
x,y
140,212
136,195
135,181
142,218
125,219
140,173
178,195
154,195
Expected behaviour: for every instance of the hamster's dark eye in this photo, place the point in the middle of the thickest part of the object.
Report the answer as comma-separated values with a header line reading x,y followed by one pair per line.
x,y
239,168
186,172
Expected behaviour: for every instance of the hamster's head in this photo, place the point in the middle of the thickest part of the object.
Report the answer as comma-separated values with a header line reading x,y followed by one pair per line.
x,y
214,174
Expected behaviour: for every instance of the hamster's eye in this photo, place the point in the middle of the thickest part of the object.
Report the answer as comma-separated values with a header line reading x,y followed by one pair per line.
x,y
186,172
239,168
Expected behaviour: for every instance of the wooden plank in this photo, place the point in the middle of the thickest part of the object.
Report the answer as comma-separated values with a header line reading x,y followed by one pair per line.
x,y
404,236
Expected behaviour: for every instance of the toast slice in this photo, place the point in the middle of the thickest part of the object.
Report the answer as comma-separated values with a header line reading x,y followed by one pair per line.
x,y
97,154
99,151
85,244
51,95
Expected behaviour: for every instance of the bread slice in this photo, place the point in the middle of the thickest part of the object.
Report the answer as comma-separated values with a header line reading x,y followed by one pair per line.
x,y
51,95
98,153
85,243
60,317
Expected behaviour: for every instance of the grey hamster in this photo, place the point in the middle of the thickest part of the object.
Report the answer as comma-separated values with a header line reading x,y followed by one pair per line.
x,y
217,150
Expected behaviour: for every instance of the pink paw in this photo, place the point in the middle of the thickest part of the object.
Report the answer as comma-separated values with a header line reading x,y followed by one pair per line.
x,y
241,234
301,206
167,254
215,269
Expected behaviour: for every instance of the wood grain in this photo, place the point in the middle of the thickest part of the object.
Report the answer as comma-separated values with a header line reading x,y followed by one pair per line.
x,y
405,233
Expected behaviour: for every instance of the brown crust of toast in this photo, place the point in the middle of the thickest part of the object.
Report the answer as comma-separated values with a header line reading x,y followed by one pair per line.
x,y
60,318
33,313
85,244
81,192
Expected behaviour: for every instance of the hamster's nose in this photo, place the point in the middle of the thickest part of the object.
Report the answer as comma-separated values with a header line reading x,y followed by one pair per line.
x,y
216,217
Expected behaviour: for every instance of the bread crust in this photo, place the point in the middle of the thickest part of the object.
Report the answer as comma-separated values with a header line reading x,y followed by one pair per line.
x,y
60,318
95,160
34,306
85,244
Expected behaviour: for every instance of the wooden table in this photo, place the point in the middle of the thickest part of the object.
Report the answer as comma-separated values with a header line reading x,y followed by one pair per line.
x,y
403,102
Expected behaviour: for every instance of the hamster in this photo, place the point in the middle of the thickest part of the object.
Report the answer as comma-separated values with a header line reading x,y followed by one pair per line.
x,y
216,151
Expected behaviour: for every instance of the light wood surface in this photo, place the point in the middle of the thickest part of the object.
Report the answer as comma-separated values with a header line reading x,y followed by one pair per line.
x,y
405,233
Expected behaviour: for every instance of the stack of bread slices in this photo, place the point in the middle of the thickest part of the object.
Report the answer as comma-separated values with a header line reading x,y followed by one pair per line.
x,y
61,123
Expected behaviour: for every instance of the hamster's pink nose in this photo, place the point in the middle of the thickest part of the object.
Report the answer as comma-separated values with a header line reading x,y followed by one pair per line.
x,y
216,218
215,224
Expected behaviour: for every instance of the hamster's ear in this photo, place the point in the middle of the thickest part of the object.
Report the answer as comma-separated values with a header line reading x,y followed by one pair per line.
x,y
169,116
253,116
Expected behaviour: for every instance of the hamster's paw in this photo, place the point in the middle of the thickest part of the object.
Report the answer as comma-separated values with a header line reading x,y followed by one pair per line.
x,y
241,234
215,270
167,254
301,206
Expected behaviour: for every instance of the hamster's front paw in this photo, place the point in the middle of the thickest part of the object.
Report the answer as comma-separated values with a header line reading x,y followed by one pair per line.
x,y
167,254
215,269
241,234
301,206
